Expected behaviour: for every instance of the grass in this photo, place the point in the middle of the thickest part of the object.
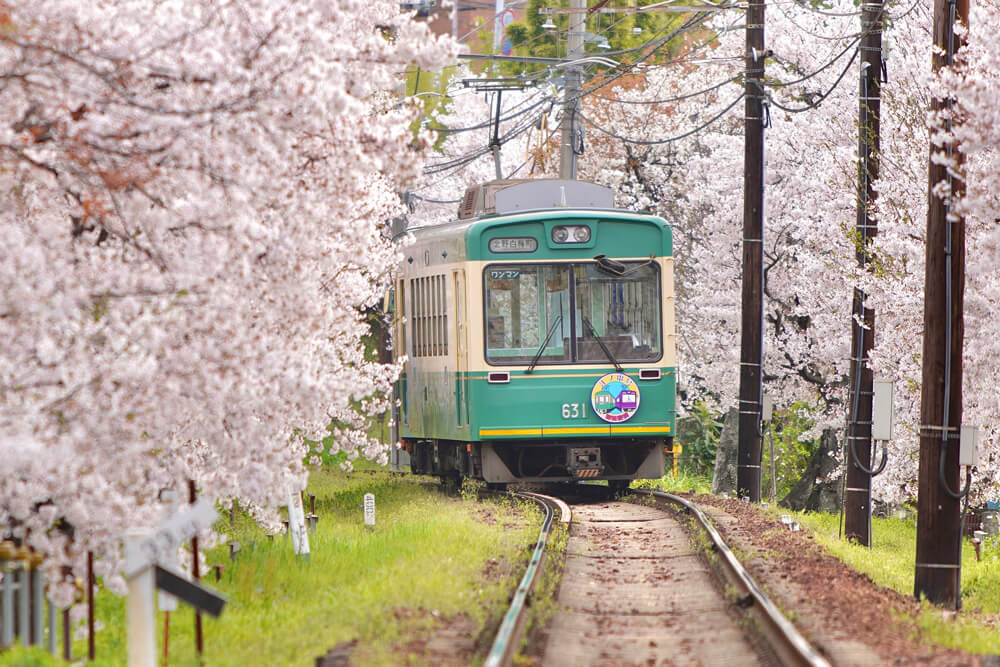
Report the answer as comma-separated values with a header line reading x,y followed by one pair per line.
x,y
422,565
890,563
683,483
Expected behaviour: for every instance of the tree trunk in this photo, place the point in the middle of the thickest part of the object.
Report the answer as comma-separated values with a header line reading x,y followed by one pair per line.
x,y
724,475
819,488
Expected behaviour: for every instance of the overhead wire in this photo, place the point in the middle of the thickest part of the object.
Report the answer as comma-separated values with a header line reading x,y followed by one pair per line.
x,y
823,68
473,155
816,35
650,47
653,142
812,104
667,100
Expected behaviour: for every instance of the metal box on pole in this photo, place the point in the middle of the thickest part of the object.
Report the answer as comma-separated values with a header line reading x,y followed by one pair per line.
x,y
883,415
968,448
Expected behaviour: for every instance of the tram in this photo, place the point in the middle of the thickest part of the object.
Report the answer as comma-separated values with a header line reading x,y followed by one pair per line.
x,y
538,335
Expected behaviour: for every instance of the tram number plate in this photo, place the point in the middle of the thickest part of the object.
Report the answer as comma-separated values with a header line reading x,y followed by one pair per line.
x,y
574,410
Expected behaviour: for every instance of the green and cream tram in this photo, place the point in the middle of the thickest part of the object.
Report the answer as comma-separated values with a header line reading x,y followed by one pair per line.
x,y
538,331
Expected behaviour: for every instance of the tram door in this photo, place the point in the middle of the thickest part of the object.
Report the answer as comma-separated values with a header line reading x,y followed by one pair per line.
x,y
461,350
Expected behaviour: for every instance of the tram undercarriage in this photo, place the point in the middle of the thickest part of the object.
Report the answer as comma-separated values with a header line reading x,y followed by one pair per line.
x,y
532,461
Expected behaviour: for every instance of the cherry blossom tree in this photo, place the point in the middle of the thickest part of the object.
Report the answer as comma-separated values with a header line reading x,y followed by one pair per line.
x,y
193,197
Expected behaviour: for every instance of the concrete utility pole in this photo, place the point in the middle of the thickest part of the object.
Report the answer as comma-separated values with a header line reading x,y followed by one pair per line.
x,y
498,25
939,525
858,491
572,89
751,348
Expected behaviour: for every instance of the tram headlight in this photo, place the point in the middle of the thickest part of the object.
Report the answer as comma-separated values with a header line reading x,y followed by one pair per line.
x,y
571,234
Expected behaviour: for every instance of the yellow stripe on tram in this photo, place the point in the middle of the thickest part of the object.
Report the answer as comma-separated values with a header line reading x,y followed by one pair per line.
x,y
483,432
578,430
640,429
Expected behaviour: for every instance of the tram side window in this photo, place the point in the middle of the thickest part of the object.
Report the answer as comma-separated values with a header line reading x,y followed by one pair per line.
x,y
430,319
443,309
400,307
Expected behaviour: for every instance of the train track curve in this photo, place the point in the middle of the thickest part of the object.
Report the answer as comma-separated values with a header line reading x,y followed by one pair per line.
x,y
635,591
508,637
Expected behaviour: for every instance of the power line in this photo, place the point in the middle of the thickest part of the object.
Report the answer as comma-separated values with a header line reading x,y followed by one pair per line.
x,y
812,104
652,142
840,55
667,100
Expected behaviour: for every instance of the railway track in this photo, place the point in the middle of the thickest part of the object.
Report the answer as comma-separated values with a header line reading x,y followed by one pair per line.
x,y
636,590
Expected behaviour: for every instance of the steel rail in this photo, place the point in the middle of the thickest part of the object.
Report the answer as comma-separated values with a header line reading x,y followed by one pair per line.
x,y
509,634
787,643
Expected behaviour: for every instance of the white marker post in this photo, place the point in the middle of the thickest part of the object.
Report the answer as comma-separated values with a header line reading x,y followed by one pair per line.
x,y
143,550
165,601
139,610
297,524
369,510
154,547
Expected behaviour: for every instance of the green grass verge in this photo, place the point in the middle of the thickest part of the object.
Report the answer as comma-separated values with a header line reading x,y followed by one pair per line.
x,y
890,562
422,565
682,483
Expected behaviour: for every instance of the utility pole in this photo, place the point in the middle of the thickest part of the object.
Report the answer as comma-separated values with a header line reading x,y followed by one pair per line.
x,y
497,25
751,347
939,532
572,89
858,491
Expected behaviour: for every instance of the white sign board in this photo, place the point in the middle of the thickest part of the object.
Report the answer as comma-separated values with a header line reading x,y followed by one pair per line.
x,y
370,510
169,536
297,524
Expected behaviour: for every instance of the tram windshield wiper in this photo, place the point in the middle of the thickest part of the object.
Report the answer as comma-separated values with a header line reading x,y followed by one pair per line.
x,y
538,355
610,266
607,352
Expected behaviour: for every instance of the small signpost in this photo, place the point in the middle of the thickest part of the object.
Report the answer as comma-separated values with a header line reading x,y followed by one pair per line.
x,y
297,524
201,598
143,552
369,510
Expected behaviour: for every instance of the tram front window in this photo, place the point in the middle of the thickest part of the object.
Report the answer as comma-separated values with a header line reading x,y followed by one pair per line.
x,y
527,313
622,311
529,307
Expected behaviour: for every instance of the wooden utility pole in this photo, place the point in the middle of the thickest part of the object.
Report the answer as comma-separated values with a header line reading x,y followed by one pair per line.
x,y
937,575
572,89
751,389
858,491
199,642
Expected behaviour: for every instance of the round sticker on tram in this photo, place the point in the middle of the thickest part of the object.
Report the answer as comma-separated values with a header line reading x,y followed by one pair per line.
x,y
615,398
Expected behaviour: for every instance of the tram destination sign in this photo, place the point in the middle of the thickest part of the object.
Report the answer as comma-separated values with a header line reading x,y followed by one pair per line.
x,y
513,244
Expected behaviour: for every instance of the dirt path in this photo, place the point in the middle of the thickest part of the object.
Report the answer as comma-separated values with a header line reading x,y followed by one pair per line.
x,y
634,592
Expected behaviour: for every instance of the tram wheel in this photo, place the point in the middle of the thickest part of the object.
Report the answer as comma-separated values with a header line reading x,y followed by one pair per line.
x,y
618,486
